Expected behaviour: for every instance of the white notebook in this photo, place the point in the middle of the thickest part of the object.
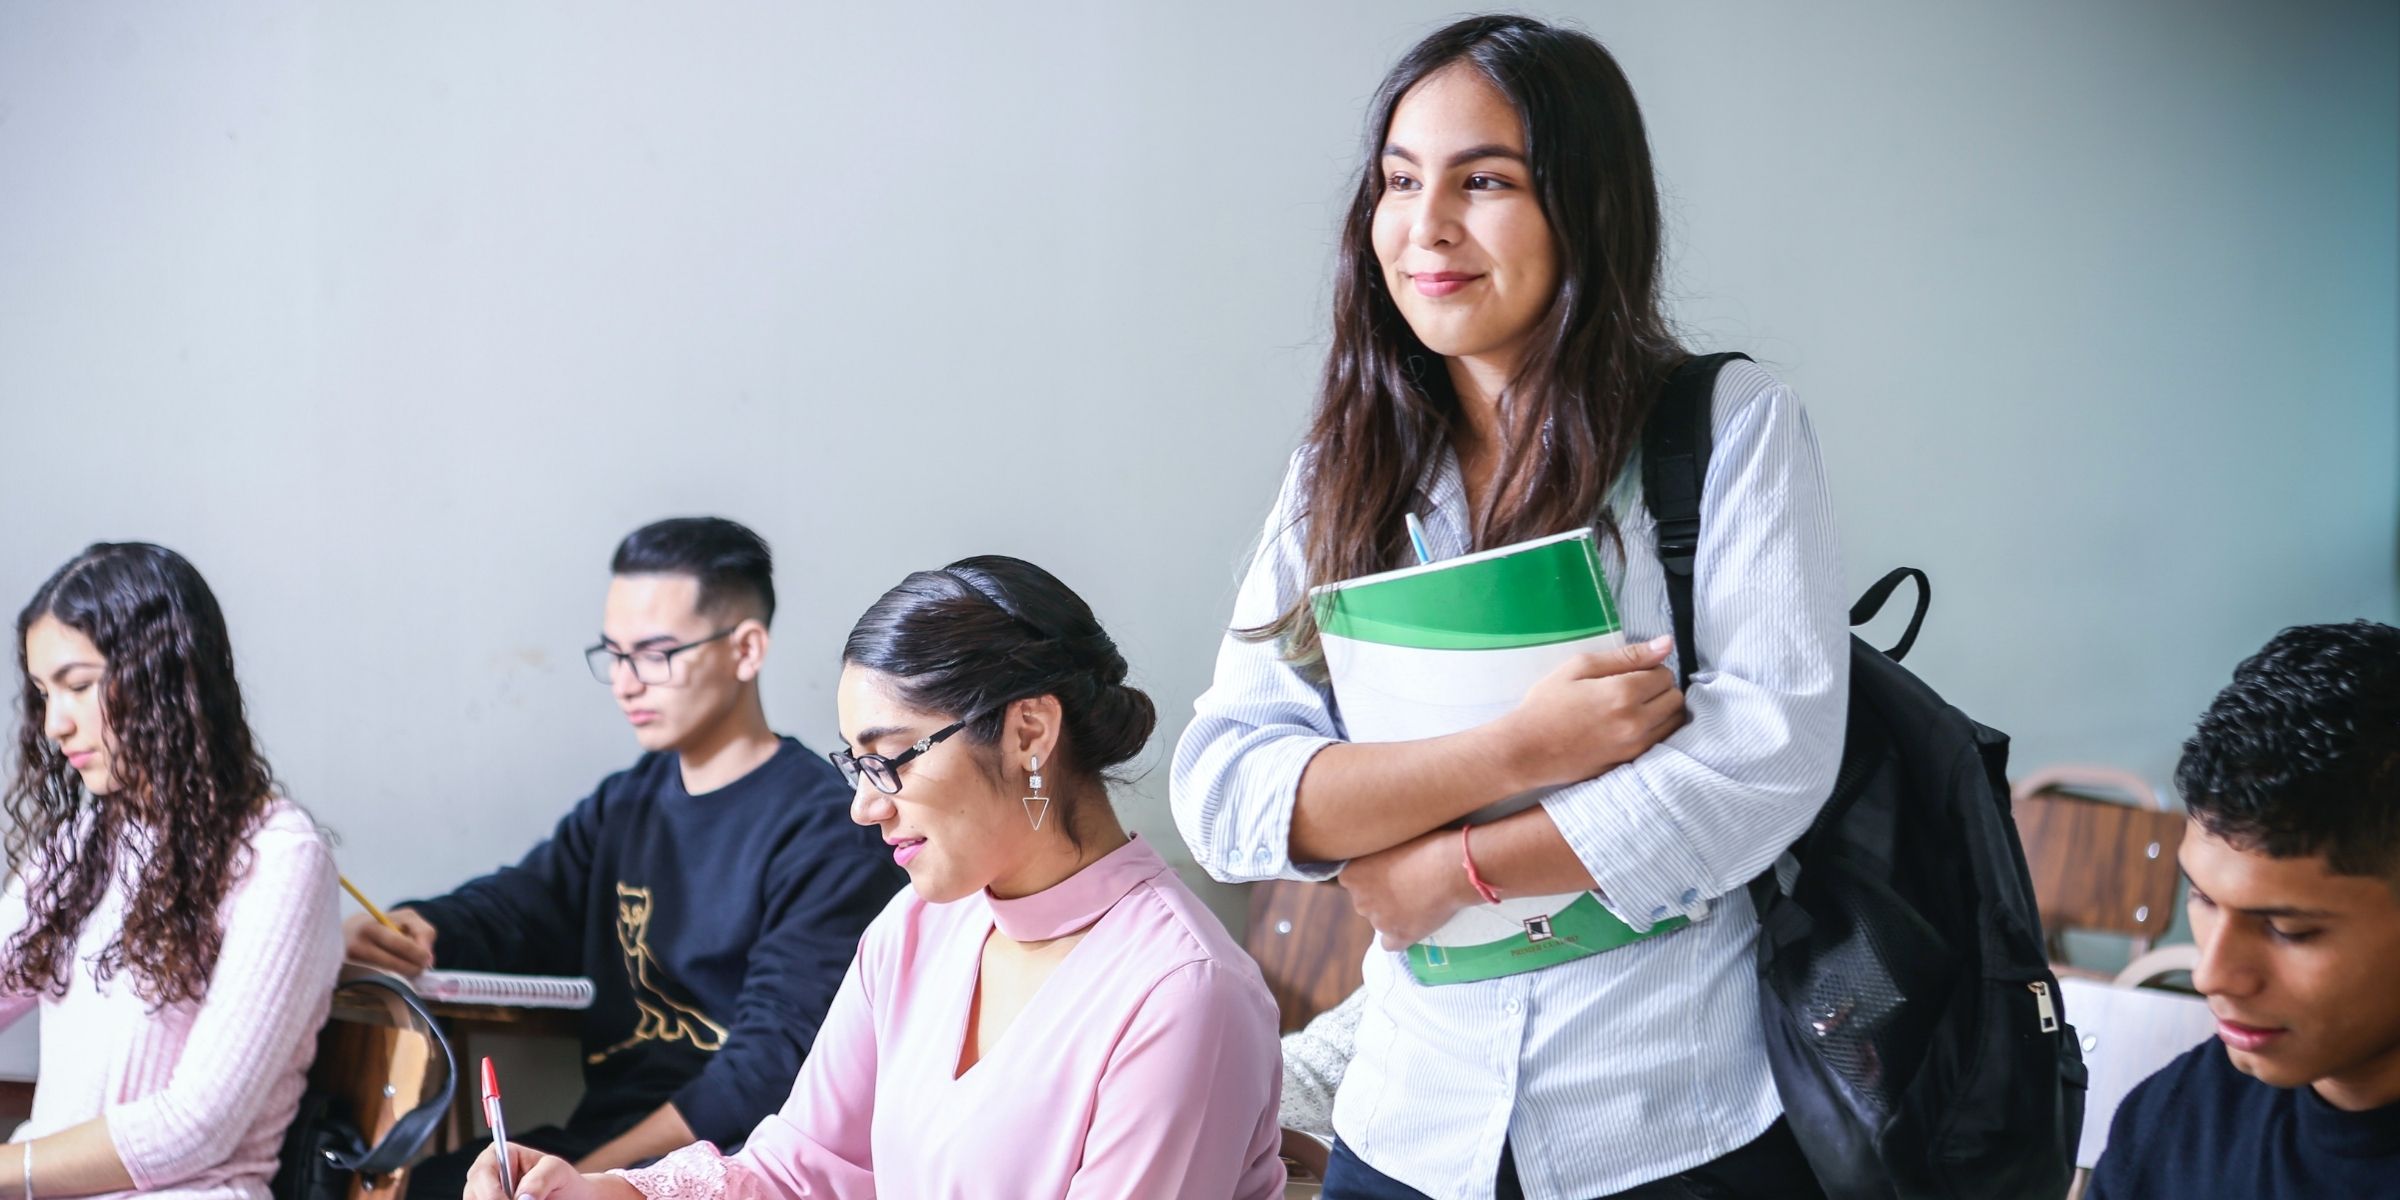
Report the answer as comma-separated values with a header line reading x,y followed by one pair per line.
x,y
516,991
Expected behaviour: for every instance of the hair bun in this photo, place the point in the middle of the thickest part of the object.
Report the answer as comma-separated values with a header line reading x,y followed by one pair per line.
x,y
970,637
1116,726
1097,653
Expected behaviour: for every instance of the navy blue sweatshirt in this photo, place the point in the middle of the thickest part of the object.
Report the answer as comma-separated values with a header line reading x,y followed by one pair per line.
x,y
715,929
2201,1128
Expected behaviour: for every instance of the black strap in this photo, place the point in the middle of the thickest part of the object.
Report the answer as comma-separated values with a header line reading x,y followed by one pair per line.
x,y
1675,447
1676,442
409,1134
1873,600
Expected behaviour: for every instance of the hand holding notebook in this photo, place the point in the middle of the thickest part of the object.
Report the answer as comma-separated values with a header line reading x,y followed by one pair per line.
x,y
400,944
1595,712
1443,647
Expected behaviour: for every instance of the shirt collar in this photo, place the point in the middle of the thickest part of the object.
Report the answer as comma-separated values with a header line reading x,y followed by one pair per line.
x,y
1079,899
1445,489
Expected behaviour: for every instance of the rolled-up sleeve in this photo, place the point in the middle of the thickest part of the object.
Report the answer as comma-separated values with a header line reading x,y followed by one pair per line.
x,y
1704,811
1237,767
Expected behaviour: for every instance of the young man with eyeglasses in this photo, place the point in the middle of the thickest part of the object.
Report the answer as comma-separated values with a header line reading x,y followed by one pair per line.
x,y
714,891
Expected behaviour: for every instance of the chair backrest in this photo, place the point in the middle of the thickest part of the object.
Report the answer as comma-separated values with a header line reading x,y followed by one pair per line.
x,y
1309,943
2182,958
2128,1034
2098,865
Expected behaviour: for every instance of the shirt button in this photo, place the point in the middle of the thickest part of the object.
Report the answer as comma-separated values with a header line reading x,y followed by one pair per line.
x,y
1513,1007
1690,895
1659,913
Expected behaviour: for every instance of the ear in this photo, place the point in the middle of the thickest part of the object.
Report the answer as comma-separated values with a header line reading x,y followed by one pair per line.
x,y
750,641
1032,731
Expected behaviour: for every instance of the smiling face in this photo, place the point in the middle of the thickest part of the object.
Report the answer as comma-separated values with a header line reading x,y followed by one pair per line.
x,y
957,825
68,673
1465,251
2301,967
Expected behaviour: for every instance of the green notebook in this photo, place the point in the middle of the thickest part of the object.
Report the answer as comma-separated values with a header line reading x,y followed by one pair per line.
x,y
1446,646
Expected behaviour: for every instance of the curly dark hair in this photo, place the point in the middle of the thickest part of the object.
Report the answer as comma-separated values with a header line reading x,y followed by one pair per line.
x,y
189,782
2300,755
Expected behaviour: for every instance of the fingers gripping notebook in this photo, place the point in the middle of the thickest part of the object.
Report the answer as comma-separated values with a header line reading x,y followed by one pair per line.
x,y
1446,646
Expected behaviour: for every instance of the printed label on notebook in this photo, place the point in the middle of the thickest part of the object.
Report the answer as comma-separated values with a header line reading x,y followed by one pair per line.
x,y
1487,941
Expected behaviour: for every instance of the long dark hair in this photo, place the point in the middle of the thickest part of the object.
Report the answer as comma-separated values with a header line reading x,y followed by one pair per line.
x,y
983,632
1573,414
189,780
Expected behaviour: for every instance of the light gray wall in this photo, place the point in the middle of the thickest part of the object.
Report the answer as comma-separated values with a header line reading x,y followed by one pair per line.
x,y
395,317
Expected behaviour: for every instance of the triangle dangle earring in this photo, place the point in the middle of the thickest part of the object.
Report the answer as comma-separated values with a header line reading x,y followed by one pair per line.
x,y
1037,816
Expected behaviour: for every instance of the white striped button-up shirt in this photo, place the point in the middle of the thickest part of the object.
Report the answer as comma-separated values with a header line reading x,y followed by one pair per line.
x,y
1623,1067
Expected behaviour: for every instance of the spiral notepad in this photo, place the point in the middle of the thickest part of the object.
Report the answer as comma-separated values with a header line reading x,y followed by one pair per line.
x,y
516,991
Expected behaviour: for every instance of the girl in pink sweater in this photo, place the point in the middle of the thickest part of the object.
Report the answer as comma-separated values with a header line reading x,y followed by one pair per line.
x,y
173,918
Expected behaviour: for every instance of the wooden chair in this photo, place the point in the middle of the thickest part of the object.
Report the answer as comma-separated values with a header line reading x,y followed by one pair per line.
x,y
372,1055
16,1102
2098,865
1309,943
20,1061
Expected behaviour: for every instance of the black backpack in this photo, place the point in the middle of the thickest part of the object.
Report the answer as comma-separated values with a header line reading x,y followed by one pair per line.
x,y
1917,1035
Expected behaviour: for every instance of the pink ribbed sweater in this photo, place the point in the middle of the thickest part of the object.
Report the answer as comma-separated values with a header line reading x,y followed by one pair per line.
x,y
197,1094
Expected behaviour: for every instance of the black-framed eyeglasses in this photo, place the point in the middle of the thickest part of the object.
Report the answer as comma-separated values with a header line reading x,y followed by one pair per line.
x,y
652,666
883,772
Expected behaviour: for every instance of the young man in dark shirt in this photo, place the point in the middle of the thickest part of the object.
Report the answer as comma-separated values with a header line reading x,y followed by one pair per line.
x,y
2293,784
714,891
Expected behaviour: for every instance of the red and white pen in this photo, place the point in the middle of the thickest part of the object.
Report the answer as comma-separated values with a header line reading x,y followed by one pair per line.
x,y
492,1117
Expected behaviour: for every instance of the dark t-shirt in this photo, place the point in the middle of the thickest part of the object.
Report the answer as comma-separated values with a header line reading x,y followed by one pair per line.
x,y
2200,1128
715,929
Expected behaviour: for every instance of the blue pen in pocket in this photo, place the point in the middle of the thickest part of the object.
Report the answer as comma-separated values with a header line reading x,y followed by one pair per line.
x,y
1416,538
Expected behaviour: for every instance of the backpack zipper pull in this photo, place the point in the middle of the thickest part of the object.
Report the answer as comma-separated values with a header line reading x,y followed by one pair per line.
x,y
2042,1005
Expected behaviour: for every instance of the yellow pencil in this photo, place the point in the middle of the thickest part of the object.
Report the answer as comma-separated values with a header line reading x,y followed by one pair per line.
x,y
367,904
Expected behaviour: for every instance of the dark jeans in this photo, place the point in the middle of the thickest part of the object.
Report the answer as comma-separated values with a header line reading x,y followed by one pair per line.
x,y
444,1176
1769,1168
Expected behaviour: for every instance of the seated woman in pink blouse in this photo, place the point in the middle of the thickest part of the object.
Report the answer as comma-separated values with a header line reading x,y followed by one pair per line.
x,y
173,919
1047,1011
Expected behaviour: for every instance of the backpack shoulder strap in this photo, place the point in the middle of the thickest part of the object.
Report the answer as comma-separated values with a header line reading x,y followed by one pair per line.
x,y
1676,442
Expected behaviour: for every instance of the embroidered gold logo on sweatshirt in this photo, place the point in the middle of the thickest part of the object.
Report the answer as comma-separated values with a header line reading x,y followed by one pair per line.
x,y
664,1018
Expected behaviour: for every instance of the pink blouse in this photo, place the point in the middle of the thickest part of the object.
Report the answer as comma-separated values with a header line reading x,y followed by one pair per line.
x,y
1146,1065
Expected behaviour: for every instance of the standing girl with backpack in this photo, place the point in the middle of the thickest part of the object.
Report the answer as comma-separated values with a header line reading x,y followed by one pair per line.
x,y
1498,342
